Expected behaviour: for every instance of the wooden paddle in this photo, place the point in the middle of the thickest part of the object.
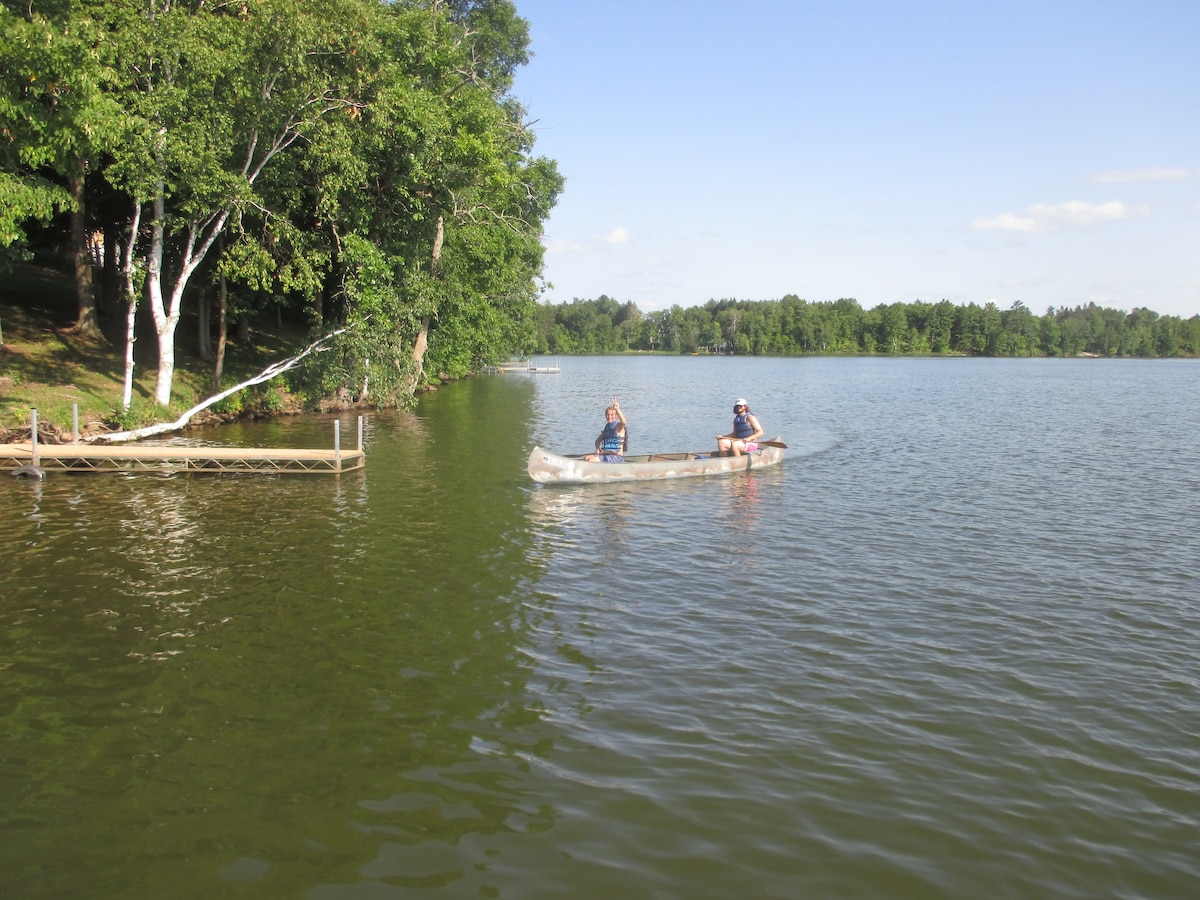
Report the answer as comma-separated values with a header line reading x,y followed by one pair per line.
x,y
780,444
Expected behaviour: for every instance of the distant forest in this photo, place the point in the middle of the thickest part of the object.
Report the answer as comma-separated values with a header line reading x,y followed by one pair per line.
x,y
795,327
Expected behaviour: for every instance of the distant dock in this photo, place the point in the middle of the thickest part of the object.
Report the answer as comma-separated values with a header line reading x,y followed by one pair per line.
x,y
167,458
523,369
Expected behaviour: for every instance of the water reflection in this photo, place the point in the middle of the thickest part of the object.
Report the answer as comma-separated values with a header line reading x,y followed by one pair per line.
x,y
597,515
26,501
742,500
252,659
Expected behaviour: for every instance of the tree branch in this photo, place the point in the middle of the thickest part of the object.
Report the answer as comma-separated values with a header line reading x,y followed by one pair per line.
x,y
266,374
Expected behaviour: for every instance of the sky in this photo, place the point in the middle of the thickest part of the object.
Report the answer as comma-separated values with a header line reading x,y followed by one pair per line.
x,y
1046,153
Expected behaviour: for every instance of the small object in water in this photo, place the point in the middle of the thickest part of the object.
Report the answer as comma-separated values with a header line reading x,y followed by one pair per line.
x,y
29,471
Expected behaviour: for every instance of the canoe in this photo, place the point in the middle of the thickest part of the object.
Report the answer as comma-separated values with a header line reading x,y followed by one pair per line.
x,y
551,468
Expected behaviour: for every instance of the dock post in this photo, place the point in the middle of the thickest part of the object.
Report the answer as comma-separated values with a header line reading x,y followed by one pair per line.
x,y
74,423
33,438
337,444
360,432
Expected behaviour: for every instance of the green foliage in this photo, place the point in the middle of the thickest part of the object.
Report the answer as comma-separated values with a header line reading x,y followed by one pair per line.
x,y
348,162
54,113
269,399
591,327
231,405
791,327
141,412
382,311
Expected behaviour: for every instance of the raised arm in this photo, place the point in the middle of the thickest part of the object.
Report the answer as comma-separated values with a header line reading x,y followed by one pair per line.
x,y
616,405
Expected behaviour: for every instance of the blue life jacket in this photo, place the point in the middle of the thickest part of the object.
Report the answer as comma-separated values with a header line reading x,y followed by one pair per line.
x,y
610,440
742,427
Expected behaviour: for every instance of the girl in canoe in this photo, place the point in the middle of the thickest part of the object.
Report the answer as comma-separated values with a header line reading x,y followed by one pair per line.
x,y
746,431
610,445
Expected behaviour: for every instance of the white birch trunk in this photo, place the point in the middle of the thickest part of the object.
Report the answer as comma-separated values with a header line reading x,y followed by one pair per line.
x,y
131,301
164,308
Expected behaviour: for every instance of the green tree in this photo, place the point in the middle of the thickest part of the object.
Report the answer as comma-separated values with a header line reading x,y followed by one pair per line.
x,y
216,94
60,118
849,326
941,327
1050,334
434,169
1019,332
893,328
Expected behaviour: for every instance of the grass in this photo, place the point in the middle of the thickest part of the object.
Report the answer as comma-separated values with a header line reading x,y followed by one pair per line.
x,y
45,364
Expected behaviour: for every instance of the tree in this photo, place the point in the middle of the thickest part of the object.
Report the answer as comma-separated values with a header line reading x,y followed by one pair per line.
x,y
893,328
364,157
790,325
433,171
850,326
1019,332
59,119
216,93
941,327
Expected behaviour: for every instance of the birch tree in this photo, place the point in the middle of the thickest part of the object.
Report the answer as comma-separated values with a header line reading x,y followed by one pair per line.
x,y
221,91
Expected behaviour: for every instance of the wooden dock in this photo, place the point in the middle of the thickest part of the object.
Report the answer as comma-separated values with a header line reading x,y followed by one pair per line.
x,y
180,457
522,368
141,458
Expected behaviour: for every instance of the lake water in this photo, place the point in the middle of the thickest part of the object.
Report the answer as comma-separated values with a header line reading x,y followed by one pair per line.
x,y
950,648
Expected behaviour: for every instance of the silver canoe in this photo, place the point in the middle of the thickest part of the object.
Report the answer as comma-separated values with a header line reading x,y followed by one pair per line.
x,y
550,468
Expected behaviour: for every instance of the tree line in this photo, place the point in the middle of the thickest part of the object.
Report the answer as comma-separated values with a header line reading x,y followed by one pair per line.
x,y
793,327
356,166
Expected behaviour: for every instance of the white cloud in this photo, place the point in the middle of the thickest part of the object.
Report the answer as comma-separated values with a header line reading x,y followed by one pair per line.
x,y
1130,176
1005,222
616,236
1055,217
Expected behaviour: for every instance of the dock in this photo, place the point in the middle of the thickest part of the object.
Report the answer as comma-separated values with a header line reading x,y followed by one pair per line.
x,y
179,457
522,368
140,458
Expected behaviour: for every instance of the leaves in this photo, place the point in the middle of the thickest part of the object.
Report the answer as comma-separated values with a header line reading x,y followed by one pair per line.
x,y
364,156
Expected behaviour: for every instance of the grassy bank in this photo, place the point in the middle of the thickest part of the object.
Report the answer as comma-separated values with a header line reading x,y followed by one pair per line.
x,y
45,364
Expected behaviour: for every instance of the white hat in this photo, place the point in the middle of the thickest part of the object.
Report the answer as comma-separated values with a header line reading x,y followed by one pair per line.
x,y
740,401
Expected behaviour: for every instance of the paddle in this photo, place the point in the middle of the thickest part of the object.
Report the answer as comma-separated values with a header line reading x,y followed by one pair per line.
x,y
780,444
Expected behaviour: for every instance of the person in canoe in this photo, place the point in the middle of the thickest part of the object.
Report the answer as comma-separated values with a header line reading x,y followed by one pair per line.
x,y
610,445
746,431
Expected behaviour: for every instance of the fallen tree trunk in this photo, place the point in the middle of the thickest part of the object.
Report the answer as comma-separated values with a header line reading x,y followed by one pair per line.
x,y
266,374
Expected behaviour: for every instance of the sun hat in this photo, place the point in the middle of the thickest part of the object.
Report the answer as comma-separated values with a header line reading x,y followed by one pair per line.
x,y
740,401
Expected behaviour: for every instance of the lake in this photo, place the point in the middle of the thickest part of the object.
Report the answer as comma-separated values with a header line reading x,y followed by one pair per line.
x,y
950,648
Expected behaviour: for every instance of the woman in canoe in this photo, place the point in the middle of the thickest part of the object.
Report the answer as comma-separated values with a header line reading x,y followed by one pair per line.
x,y
610,445
746,431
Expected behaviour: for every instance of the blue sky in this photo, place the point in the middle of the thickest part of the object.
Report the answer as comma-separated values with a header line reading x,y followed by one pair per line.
x,y
1042,152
